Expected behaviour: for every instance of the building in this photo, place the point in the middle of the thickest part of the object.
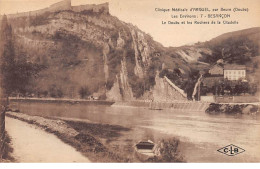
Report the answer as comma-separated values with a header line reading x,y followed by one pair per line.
x,y
216,70
64,5
234,72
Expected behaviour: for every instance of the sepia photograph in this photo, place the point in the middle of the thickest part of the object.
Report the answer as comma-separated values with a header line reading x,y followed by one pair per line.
x,y
141,81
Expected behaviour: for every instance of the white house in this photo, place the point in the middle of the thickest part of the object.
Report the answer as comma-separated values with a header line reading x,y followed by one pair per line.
x,y
234,72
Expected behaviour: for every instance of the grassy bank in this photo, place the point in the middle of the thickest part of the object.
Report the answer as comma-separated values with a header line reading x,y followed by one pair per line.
x,y
100,142
7,155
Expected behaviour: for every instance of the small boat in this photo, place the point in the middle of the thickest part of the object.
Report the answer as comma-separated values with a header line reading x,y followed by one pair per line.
x,y
146,150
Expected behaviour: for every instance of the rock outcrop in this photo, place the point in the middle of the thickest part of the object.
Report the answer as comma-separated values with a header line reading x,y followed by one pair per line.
x,y
64,5
86,48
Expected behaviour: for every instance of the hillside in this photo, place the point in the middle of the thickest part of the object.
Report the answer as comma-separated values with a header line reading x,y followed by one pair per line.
x,y
90,53
251,34
87,51
238,47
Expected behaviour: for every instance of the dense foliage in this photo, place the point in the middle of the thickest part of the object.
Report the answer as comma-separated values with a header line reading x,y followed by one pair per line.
x,y
237,49
16,72
226,87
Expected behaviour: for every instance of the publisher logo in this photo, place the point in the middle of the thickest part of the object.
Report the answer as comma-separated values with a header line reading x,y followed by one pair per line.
x,y
231,150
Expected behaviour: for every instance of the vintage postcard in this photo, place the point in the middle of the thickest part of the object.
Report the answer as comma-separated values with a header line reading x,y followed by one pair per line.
x,y
140,81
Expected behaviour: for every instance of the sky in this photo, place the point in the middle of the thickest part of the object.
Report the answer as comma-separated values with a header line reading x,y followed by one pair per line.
x,y
142,14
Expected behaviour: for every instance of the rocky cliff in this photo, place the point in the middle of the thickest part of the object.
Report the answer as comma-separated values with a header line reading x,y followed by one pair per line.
x,y
90,50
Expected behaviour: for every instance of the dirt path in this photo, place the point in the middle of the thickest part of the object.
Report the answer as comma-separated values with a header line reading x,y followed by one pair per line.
x,y
31,144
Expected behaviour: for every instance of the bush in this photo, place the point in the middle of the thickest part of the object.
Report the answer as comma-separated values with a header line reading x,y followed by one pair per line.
x,y
213,109
226,109
137,85
84,92
55,91
169,150
254,109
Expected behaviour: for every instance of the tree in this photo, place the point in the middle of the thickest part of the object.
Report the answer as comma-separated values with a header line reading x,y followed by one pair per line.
x,y
244,87
24,72
7,58
55,91
229,89
16,74
190,82
6,65
189,87
238,89
253,88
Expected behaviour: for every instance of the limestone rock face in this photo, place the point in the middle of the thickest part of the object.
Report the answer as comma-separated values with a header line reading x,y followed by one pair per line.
x,y
93,50
114,94
193,54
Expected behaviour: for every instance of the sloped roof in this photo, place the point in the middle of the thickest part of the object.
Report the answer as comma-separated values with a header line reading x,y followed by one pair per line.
x,y
234,67
216,65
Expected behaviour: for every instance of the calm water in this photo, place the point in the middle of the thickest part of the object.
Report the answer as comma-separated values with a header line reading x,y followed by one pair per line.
x,y
202,134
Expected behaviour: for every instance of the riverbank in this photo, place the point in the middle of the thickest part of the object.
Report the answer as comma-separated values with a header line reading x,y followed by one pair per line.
x,y
32,144
200,134
98,142
218,108
196,106
8,150
60,100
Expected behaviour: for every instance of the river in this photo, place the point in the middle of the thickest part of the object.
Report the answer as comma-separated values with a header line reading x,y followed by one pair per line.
x,y
201,134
